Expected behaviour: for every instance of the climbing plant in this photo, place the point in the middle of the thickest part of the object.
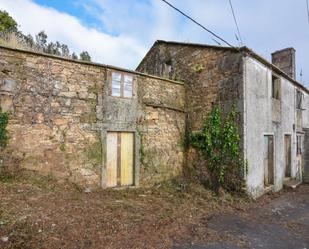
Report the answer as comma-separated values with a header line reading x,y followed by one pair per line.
x,y
219,144
4,119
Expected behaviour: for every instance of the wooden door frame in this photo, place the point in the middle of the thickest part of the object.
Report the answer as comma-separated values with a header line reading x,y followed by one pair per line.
x,y
274,158
290,173
136,156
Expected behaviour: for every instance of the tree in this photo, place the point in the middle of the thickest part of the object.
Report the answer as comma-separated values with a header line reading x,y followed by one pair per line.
x,y
29,40
41,40
74,56
84,56
7,23
58,48
65,52
9,30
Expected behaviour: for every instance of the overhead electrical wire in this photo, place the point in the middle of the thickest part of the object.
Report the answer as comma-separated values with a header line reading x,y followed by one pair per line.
x,y
202,26
235,20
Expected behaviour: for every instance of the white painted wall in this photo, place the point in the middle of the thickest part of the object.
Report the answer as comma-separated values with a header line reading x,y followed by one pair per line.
x,y
306,111
258,122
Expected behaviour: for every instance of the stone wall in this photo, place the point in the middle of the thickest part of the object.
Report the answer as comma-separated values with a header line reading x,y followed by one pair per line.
x,y
60,110
162,129
212,75
50,102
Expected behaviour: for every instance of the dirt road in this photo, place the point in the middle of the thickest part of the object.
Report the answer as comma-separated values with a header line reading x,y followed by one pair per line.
x,y
282,223
41,213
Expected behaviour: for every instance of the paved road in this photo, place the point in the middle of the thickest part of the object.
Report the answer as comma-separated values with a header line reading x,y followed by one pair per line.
x,y
281,224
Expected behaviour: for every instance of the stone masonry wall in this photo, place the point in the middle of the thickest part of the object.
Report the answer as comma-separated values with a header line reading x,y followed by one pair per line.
x,y
161,130
211,75
50,101
57,109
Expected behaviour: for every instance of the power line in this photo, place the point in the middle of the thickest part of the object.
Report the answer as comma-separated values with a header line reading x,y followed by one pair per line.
x,y
203,27
236,22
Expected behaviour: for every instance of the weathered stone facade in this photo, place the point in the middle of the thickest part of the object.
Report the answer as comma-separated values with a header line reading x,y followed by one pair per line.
x,y
60,111
212,75
240,77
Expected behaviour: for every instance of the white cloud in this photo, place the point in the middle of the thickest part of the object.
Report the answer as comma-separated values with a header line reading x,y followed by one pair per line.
x,y
265,26
119,50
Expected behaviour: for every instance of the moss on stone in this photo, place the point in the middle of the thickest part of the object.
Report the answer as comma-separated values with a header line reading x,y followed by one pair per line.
x,y
198,68
94,153
88,117
62,147
96,89
141,149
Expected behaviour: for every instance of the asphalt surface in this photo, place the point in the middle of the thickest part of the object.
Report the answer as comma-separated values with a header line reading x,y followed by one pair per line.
x,y
281,224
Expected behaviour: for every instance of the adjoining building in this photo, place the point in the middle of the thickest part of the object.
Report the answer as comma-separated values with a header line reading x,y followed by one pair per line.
x,y
273,106
101,125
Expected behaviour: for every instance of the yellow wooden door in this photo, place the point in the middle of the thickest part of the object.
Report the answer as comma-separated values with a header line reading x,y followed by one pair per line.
x,y
127,158
120,159
111,159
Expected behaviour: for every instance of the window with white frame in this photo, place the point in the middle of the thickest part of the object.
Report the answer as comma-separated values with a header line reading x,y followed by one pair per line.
x,y
122,85
127,86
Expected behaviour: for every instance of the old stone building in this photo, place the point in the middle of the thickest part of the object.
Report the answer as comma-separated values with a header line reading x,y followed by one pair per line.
x,y
92,124
101,125
273,106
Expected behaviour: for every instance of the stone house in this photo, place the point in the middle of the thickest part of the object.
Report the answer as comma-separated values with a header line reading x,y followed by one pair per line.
x,y
105,126
273,106
92,124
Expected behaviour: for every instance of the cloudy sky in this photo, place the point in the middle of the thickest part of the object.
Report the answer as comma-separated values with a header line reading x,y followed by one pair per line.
x,y
120,32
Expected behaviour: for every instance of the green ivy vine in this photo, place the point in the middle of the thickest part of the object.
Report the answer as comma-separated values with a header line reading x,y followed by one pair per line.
x,y
219,144
4,137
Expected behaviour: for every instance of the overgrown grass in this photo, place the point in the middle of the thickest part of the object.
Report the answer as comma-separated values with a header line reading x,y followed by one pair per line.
x,y
8,177
5,218
23,176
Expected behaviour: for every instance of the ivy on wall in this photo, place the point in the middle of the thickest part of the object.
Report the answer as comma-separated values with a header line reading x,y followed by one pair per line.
x,y
219,144
4,137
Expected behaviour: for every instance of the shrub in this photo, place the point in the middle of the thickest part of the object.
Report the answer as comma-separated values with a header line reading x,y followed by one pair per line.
x,y
219,143
4,119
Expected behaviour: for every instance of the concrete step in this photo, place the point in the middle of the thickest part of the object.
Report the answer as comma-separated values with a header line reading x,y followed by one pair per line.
x,y
291,183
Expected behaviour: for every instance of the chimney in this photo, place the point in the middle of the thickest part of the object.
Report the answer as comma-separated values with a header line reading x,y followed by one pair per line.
x,y
285,60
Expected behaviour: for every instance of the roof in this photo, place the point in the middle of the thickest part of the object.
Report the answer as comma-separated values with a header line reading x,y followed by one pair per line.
x,y
196,45
245,50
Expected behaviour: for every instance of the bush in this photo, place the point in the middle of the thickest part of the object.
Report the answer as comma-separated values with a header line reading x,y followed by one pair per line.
x,y
4,137
219,143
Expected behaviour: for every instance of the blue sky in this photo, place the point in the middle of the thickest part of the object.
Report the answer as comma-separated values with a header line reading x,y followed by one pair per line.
x,y
120,32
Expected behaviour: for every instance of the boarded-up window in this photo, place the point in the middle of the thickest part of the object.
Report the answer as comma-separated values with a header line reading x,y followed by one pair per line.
x,y
269,160
276,88
122,85
298,144
119,159
287,151
299,100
